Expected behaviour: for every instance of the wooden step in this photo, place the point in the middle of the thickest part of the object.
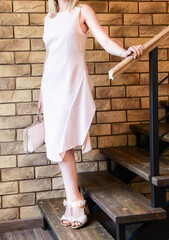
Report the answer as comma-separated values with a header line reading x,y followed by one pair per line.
x,y
117,199
144,129
137,160
53,210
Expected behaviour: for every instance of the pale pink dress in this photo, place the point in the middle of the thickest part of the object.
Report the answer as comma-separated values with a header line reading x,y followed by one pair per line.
x,y
68,105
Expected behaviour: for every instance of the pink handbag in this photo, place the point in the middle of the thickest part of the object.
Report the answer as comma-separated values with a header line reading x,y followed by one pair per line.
x,y
34,135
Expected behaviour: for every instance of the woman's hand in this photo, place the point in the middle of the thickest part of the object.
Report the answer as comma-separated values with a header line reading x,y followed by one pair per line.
x,y
138,50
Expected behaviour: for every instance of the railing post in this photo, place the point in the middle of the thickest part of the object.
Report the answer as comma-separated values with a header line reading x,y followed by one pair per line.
x,y
156,192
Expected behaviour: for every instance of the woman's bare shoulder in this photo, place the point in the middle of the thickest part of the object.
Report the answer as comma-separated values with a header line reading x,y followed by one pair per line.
x,y
86,9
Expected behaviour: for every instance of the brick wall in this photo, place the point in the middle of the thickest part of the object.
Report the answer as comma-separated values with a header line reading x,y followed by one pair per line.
x,y
119,103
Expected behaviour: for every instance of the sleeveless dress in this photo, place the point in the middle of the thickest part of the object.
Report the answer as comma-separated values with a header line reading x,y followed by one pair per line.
x,y
68,105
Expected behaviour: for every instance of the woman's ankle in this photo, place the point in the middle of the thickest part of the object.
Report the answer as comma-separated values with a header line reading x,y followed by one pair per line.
x,y
76,197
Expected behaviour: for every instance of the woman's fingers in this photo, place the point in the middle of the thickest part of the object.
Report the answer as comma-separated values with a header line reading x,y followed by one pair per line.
x,y
138,50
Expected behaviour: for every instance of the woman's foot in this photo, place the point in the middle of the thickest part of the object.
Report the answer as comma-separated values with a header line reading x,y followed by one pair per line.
x,y
67,214
77,212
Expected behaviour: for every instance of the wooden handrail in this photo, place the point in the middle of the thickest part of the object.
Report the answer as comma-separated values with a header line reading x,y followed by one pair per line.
x,y
148,46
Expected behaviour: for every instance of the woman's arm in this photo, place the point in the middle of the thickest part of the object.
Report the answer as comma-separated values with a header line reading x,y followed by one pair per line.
x,y
101,36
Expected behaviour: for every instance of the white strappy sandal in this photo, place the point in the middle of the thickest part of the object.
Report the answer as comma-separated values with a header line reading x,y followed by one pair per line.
x,y
82,219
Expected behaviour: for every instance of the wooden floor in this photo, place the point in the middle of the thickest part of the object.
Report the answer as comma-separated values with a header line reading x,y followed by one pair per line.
x,y
30,234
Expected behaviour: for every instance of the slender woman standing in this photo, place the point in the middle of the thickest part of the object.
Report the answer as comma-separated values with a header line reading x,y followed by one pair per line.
x,y
65,96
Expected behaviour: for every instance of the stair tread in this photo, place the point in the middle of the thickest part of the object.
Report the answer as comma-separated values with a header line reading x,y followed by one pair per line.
x,y
53,210
117,199
136,160
144,128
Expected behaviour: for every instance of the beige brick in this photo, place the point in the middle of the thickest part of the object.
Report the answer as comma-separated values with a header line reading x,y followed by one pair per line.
x,y
98,6
18,200
5,6
37,69
123,31
100,129
30,212
100,80
109,92
28,82
6,57
103,67
144,78
135,41
14,19
8,188
32,159
77,154
7,135
28,32
139,67
110,19
137,19
150,31
112,141
17,173
7,161
31,6
102,104
12,148
160,18
132,140
120,128
163,89
152,7
89,44
97,56
14,122
15,96
102,166
93,155
14,70
6,32
51,194
145,102
87,167
126,79
163,66
57,183
94,142
37,44
138,115
111,116
7,109
14,44
137,91
47,171
27,108
35,185
162,55
90,67
123,7
9,214
37,19
7,83
125,103
30,57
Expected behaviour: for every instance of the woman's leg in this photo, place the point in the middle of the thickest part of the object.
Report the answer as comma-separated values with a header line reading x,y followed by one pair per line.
x,y
70,180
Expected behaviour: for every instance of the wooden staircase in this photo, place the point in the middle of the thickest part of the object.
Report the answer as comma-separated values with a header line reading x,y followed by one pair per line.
x,y
109,191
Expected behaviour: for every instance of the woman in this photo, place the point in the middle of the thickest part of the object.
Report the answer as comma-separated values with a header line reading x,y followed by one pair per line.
x,y
65,96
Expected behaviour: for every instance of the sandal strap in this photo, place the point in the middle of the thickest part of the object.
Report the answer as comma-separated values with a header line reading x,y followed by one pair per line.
x,y
79,203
